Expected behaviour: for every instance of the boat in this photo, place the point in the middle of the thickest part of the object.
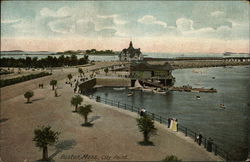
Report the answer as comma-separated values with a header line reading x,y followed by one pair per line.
x,y
213,77
160,91
137,86
119,89
222,106
130,94
147,90
198,97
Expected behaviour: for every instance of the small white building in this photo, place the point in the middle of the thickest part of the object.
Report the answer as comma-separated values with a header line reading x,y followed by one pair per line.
x,y
130,53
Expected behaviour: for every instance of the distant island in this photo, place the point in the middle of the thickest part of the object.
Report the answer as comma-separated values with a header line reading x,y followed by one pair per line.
x,y
13,51
68,52
229,53
88,52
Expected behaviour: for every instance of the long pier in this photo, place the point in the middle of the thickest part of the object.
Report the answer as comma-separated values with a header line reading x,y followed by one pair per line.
x,y
236,59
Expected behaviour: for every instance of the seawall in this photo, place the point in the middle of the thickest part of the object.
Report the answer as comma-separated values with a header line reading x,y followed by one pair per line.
x,y
112,82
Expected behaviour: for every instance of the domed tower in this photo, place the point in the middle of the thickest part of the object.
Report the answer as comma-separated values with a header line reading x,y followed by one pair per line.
x,y
131,44
130,53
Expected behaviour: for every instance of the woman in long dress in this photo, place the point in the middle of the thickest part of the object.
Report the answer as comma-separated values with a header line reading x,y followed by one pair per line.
x,y
174,126
171,123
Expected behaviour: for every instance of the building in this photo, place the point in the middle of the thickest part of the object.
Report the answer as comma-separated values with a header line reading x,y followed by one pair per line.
x,y
130,54
154,73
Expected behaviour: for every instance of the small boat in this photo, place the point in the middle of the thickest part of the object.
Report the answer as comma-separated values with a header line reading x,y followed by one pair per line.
x,y
146,90
213,77
160,91
222,106
130,94
198,97
119,89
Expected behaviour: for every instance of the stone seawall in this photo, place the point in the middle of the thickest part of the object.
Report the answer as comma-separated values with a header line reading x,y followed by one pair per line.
x,y
113,81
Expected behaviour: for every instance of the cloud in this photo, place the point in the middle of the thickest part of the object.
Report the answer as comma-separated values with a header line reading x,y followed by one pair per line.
x,y
149,19
62,12
85,27
62,26
185,28
116,19
107,32
217,13
184,24
10,21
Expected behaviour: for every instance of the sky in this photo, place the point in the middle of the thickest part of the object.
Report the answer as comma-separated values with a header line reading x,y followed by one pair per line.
x,y
153,26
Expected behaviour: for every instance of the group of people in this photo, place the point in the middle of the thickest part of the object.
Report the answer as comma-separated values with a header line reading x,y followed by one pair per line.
x,y
173,124
40,85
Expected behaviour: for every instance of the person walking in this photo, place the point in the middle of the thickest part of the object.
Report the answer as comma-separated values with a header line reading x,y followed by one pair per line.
x,y
176,125
169,121
200,139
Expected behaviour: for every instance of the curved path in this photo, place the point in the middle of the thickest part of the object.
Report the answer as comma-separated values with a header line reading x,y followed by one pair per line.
x,y
114,135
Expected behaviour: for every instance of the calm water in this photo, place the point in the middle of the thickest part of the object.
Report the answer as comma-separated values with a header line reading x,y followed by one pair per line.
x,y
228,127
110,57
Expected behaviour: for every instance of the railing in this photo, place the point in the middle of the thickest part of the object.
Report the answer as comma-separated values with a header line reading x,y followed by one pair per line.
x,y
207,143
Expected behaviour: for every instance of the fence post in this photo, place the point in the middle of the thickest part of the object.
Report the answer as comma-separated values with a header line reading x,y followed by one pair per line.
x,y
226,156
186,132
160,120
215,149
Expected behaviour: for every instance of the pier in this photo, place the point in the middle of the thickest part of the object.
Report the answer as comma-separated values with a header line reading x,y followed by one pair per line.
x,y
190,89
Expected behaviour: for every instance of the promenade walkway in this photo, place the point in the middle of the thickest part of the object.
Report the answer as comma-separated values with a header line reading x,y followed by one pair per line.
x,y
114,135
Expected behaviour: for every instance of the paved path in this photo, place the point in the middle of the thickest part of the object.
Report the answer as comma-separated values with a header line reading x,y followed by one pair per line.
x,y
114,135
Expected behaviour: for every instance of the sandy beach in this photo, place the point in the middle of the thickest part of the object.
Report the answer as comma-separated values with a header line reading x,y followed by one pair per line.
x,y
114,135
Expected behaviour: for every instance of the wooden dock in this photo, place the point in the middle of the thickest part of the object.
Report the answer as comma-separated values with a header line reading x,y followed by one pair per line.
x,y
190,89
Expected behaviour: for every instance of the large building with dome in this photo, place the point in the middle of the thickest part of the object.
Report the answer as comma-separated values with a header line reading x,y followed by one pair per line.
x,y
130,53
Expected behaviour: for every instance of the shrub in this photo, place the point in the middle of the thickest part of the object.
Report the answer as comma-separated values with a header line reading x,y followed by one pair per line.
x,y
171,158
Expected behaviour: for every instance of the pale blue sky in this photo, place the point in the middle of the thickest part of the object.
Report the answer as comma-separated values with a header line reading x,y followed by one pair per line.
x,y
218,20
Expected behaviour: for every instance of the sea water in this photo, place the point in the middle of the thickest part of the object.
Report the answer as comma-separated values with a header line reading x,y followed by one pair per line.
x,y
229,127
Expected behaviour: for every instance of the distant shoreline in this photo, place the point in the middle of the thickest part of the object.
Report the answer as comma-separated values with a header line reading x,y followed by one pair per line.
x,y
53,54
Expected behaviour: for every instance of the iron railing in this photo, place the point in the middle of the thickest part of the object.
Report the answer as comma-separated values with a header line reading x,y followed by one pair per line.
x,y
206,142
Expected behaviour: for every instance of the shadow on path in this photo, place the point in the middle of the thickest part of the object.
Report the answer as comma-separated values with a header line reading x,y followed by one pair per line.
x,y
37,99
143,143
3,120
63,145
94,118
88,124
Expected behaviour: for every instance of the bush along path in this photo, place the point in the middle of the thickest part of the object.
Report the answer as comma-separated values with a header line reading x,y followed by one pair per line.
x,y
7,82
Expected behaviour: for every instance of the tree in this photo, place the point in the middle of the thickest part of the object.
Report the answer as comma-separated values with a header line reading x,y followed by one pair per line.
x,y
70,76
81,72
75,101
171,158
106,70
28,95
53,84
84,111
44,137
146,126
